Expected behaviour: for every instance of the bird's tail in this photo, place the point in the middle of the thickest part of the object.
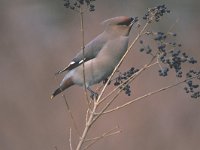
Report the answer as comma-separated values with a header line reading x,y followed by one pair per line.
x,y
56,92
64,85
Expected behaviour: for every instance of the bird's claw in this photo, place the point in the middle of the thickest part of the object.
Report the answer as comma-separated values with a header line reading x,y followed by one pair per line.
x,y
94,96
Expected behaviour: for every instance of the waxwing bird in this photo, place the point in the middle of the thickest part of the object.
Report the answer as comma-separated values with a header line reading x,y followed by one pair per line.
x,y
101,55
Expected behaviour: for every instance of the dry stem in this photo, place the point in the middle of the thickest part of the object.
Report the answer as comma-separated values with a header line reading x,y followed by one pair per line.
x,y
83,49
146,95
106,134
87,127
71,115
70,139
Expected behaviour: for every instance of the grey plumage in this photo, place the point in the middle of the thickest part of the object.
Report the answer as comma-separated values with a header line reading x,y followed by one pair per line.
x,y
91,50
101,55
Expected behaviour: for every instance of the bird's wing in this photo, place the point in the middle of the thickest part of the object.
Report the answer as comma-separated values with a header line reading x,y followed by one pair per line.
x,y
91,50
72,65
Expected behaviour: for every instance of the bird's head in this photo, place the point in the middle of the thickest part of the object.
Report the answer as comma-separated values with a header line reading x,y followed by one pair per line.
x,y
119,25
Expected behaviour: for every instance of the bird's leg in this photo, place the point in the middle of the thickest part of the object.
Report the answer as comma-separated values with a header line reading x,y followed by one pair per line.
x,y
93,95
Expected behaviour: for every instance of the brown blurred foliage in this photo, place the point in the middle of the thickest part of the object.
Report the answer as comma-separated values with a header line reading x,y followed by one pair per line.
x,y
40,37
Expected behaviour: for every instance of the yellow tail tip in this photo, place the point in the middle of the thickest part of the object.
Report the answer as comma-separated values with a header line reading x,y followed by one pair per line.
x,y
52,97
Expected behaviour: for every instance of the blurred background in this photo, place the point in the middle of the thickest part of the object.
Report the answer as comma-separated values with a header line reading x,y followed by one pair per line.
x,y
37,38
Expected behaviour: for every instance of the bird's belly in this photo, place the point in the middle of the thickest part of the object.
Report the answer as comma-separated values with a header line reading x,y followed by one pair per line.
x,y
93,75
99,72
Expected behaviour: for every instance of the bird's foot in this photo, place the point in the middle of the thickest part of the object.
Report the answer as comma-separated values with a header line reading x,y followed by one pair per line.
x,y
93,95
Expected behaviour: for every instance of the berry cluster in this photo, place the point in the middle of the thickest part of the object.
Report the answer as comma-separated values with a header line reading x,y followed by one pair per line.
x,y
163,71
76,4
168,53
190,86
170,56
122,78
156,13
146,49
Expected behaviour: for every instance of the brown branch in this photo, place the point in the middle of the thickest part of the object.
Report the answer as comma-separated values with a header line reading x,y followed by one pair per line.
x,y
87,126
146,95
83,50
173,25
71,115
106,134
70,139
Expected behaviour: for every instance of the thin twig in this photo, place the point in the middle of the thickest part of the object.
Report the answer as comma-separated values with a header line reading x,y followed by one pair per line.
x,y
104,134
87,127
83,50
99,137
173,25
70,139
146,95
87,114
94,140
71,115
